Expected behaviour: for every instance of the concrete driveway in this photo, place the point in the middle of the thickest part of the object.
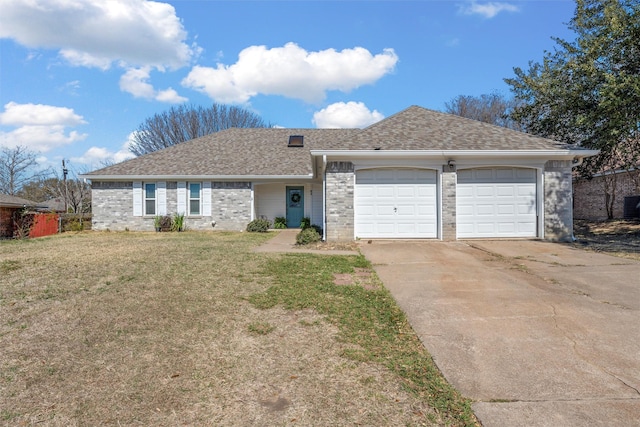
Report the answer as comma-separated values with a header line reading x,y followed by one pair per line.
x,y
535,333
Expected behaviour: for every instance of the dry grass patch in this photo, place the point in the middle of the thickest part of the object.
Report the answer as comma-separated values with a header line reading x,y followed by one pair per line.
x,y
157,329
616,237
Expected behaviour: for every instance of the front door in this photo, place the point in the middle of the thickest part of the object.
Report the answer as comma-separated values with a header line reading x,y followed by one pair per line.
x,y
295,206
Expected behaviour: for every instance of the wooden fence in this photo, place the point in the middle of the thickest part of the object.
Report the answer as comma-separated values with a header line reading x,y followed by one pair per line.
x,y
44,224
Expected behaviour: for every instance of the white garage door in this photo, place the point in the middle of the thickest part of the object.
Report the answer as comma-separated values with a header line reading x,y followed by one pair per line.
x,y
496,202
396,203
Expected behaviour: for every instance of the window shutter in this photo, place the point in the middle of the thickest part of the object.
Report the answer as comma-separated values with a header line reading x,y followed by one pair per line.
x,y
206,198
137,198
161,195
182,198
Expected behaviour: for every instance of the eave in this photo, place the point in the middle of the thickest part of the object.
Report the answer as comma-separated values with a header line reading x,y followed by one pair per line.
x,y
196,177
562,154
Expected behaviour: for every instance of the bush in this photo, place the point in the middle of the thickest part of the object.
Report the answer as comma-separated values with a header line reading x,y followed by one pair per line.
x,y
305,223
259,226
280,222
74,225
177,223
166,223
308,235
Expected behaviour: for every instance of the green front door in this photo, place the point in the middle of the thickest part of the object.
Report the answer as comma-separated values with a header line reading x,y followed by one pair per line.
x,y
295,206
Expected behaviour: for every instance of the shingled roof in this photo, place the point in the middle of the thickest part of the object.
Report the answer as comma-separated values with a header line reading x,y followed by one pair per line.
x,y
418,128
234,152
264,151
13,201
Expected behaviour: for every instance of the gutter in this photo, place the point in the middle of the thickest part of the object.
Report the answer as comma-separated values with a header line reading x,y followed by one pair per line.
x,y
308,177
447,154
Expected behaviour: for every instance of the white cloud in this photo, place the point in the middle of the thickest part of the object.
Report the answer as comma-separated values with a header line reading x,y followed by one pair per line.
x,y
39,127
135,82
290,71
346,115
95,157
487,10
38,114
94,33
40,138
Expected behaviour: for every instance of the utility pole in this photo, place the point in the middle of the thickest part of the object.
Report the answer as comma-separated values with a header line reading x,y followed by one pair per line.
x,y
65,171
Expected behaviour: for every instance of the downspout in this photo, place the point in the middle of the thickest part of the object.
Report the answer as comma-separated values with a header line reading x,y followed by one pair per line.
x,y
577,161
324,198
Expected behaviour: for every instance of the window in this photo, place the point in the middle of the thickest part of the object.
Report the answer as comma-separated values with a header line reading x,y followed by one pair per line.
x,y
149,199
194,198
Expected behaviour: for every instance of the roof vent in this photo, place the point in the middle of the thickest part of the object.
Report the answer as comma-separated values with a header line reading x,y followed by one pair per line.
x,y
296,141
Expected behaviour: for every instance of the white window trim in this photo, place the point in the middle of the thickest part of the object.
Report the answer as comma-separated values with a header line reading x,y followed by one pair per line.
x,y
145,198
189,199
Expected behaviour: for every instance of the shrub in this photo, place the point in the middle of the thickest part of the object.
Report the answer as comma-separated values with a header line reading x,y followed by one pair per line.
x,y
177,223
166,223
305,223
308,235
259,226
280,222
74,225
317,228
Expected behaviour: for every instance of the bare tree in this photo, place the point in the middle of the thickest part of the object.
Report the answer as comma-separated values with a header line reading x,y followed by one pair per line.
x,y
183,123
18,166
489,108
74,193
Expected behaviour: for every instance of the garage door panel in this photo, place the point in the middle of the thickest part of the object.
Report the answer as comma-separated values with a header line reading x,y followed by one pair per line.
x,y
485,210
403,203
384,191
496,202
504,210
485,191
505,191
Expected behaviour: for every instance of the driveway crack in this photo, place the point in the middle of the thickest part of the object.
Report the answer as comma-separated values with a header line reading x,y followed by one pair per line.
x,y
574,346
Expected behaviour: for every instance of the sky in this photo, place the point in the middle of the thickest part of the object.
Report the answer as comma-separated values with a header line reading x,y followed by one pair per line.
x,y
78,77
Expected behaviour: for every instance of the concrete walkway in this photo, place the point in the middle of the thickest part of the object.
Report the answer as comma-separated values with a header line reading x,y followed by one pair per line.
x,y
285,241
535,333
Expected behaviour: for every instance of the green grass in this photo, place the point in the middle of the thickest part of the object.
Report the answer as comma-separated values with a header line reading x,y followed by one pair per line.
x,y
370,319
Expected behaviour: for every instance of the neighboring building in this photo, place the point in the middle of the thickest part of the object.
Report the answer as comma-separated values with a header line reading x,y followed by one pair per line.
x,y
590,197
416,174
8,206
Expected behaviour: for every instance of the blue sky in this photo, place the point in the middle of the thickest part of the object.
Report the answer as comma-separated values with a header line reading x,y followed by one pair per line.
x,y
77,77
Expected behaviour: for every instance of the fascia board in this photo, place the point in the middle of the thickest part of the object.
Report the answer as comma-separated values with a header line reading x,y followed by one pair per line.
x,y
458,154
195,177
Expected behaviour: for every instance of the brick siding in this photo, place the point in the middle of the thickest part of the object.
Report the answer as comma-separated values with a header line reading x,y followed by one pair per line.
x,y
340,199
589,196
6,222
558,216
449,182
112,204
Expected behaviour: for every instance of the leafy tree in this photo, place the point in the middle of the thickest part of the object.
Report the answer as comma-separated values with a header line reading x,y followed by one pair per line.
x,y
183,123
18,166
587,92
491,108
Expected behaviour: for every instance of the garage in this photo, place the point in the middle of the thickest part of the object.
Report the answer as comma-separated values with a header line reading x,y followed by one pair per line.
x,y
496,202
396,203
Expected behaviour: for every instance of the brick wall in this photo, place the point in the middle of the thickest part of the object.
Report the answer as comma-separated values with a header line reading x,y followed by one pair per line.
x,y
6,223
339,203
112,204
448,204
558,215
589,196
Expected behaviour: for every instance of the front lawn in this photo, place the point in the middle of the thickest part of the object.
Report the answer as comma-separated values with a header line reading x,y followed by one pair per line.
x,y
197,329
